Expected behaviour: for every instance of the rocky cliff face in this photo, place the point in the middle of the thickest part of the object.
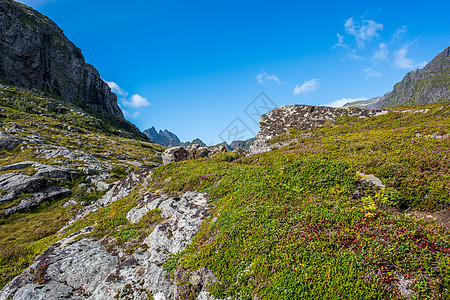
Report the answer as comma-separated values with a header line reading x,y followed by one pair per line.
x,y
34,52
299,117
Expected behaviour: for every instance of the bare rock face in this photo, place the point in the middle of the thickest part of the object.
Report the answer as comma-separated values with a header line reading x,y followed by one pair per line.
x,y
301,117
76,268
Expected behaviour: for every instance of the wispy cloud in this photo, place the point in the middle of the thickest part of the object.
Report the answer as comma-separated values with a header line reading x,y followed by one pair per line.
x,y
136,101
341,102
340,43
307,86
381,53
399,33
403,62
371,73
363,31
264,79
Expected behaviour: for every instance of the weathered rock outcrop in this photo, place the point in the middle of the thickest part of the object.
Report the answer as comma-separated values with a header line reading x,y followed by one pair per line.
x,y
194,151
419,87
35,53
301,117
83,269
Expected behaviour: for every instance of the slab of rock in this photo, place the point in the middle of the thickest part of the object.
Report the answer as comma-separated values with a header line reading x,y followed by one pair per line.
x,y
8,141
18,166
301,117
36,199
56,172
21,183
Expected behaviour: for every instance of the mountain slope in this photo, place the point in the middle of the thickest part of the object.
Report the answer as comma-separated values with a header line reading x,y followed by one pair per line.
x,y
297,222
35,53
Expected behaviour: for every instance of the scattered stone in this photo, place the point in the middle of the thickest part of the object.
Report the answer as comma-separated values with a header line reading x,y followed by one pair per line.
x,y
71,202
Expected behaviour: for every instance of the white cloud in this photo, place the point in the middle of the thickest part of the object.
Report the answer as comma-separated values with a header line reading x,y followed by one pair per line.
x,y
371,73
307,87
362,31
115,88
403,62
381,52
399,33
263,78
136,101
342,102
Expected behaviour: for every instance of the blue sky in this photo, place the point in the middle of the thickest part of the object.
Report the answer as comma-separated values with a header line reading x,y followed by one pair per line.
x,y
193,67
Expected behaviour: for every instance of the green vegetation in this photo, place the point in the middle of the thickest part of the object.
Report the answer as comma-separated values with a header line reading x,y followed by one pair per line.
x,y
295,223
26,234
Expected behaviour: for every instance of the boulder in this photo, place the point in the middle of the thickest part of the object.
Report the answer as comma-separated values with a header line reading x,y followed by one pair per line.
x,y
8,141
175,154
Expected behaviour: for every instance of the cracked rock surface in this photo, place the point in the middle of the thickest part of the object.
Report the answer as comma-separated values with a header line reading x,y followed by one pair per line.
x,y
83,269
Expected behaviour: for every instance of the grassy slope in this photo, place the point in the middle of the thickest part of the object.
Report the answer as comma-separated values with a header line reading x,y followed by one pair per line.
x,y
289,224
26,234
295,223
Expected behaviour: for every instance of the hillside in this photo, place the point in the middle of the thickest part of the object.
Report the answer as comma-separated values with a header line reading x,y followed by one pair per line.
x,y
419,87
297,222
55,159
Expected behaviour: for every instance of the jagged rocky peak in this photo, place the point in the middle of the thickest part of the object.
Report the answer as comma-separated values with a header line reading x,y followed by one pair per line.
x,y
169,139
419,87
35,53
301,117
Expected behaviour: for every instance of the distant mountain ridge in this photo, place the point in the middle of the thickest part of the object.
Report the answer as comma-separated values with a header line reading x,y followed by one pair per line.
x,y
419,87
35,53
170,139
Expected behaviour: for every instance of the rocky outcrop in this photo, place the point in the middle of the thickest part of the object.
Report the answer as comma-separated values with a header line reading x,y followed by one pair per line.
x,y
300,117
35,53
194,151
41,185
77,268
419,87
